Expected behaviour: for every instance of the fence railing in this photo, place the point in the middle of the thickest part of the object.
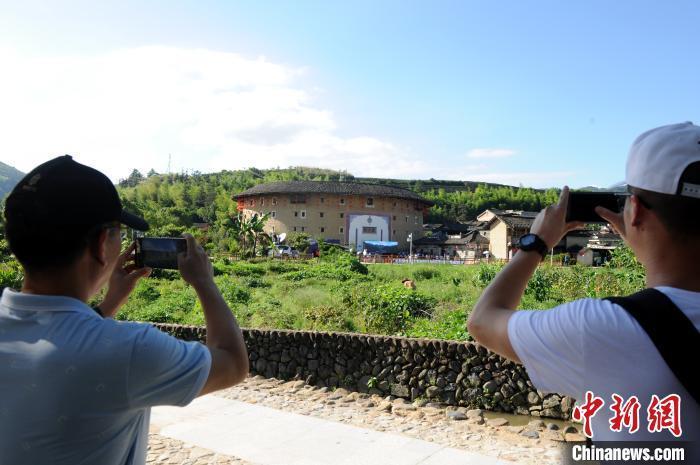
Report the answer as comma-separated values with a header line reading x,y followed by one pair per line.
x,y
399,260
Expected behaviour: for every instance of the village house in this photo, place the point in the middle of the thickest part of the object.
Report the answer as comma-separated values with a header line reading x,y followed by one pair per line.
x,y
592,247
469,246
505,228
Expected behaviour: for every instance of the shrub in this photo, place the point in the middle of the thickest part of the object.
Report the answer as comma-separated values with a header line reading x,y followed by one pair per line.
x,y
273,314
486,273
426,273
330,251
256,283
232,291
447,325
245,269
282,266
11,275
388,308
344,268
146,291
540,285
327,318
298,241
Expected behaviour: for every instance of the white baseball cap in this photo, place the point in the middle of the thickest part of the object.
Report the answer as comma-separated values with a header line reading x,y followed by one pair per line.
x,y
658,158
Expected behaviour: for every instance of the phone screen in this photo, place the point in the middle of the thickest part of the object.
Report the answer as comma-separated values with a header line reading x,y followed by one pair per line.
x,y
159,252
581,206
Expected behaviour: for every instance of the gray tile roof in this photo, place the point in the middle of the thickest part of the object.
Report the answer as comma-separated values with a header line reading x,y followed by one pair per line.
x,y
472,238
331,187
515,218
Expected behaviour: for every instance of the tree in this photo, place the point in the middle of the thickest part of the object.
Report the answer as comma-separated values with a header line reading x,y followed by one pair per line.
x,y
256,230
133,180
299,241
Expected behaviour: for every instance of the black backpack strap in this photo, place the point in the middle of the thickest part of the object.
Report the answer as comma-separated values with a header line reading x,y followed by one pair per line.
x,y
671,331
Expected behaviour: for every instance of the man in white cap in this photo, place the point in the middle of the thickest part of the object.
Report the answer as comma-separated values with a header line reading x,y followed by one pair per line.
x,y
593,349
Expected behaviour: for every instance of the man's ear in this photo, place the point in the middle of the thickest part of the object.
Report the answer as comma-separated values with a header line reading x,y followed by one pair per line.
x,y
98,247
638,212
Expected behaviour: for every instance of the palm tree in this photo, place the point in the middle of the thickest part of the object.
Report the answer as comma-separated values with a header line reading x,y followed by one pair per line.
x,y
256,230
238,228
249,232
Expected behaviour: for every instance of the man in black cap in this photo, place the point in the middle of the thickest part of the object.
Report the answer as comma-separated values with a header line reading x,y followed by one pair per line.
x,y
76,386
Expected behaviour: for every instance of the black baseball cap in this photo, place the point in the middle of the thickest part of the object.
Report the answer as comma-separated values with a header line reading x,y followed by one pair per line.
x,y
62,193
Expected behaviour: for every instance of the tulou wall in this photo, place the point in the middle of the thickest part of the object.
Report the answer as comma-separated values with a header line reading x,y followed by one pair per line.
x,y
454,373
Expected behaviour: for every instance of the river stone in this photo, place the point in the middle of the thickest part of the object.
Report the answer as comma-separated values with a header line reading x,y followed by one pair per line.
x,y
514,429
490,386
573,437
530,434
533,398
570,430
497,422
399,390
551,402
552,426
552,435
566,404
432,391
384,406
456,415
475,413
535,424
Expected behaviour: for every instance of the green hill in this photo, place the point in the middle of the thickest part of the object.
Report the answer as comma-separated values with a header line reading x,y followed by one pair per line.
x,y
9,176
173,203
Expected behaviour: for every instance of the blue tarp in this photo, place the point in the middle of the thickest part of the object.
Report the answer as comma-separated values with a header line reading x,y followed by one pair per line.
x,y
381,247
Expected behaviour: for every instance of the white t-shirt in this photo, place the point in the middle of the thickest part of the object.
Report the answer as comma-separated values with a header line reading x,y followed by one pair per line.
x,y
595,345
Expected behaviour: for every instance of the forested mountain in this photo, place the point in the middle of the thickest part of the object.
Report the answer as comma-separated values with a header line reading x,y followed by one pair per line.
x,y
9,176
172,203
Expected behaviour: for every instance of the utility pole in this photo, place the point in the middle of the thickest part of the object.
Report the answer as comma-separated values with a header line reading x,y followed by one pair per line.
x,y
169,158
410,247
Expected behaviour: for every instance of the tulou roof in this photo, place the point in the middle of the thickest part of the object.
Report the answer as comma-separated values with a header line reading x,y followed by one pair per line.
x,y
331,187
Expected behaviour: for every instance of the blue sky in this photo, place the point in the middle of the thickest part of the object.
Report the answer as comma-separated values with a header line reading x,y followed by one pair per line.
x,y
535,93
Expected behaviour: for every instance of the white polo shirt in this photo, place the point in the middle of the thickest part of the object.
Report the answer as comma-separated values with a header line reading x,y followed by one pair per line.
x,y
77,389
595,345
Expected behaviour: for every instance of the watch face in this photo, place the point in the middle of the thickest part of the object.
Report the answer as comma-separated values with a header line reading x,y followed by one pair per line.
x,y
527,240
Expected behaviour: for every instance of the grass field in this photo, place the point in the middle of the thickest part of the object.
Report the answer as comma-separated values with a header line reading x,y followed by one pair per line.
x,y
340,294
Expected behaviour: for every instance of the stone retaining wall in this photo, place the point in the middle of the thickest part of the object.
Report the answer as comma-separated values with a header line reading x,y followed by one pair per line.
x,y
454,373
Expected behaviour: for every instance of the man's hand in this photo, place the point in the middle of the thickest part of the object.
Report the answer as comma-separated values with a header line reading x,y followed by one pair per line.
x,y
550,224
194,264
616,220
122,282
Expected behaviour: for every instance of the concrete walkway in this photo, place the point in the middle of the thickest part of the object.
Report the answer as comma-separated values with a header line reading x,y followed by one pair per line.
x,y
266,436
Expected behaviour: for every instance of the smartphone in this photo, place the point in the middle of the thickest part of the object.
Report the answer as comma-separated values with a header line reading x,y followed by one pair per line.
x,y
581,206
159,252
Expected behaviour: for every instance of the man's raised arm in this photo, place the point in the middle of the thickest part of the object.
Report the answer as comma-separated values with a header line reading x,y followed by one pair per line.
x,y
229,356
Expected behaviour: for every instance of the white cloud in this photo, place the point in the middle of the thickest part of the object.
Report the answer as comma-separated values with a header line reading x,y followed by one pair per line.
x,y
211,110
526,178
490,153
